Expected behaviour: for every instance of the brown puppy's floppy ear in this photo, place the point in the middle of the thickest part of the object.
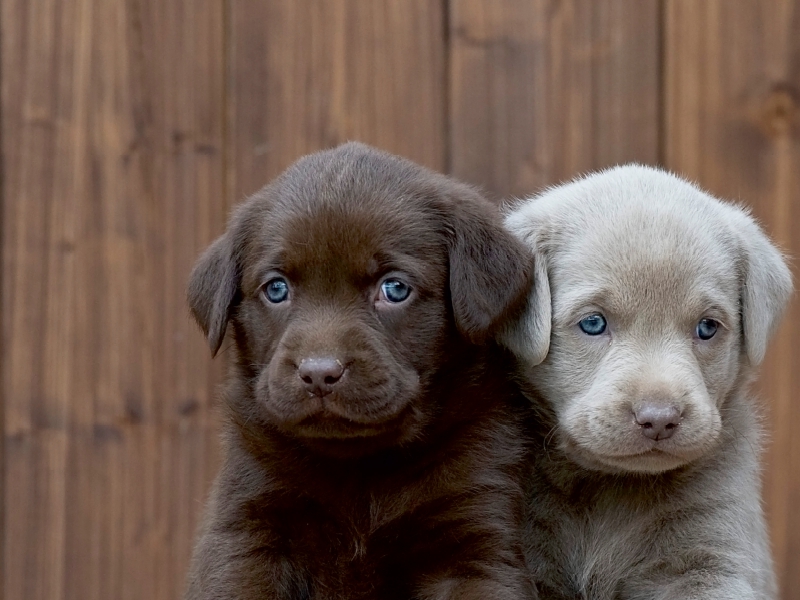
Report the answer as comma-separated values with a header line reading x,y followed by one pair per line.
x,y
489,268
213,288
766,287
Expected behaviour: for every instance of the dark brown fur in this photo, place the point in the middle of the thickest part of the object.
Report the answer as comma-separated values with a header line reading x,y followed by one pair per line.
x,y
404,482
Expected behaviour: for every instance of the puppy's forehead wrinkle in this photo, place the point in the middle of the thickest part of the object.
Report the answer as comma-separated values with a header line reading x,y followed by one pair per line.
x,y
313,246
626,271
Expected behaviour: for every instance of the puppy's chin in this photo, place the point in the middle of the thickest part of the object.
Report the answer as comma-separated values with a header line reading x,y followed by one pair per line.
x,y
344,439
330,423
647,462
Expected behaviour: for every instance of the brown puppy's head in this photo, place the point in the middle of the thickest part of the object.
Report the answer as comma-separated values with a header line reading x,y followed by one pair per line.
x,y
349,282
652,301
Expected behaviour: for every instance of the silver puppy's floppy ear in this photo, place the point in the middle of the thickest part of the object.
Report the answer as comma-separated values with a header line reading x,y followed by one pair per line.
x,y
489,268
528,337
213,289
766,286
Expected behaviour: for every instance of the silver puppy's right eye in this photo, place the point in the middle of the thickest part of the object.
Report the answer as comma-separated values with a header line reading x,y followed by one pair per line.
x,y
593,324
276,290
706,328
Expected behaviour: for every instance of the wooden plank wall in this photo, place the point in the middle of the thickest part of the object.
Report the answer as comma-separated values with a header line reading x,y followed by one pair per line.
x,y
112,146
732,122
128,129
541,91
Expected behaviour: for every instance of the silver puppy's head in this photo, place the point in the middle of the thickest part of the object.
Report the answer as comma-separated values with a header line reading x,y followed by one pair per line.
x,y
651,303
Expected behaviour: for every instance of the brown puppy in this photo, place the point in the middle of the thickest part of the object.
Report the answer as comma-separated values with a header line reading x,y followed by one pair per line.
x,y
373,444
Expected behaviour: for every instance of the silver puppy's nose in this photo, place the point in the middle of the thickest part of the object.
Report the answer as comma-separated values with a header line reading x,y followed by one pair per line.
x,y
320,374
658,422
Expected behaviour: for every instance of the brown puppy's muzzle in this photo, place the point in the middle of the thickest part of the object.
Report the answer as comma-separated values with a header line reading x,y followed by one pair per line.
x,y
336,379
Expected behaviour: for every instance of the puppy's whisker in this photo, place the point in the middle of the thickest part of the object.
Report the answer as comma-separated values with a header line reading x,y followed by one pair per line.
x,y
548,439
550,435
740,435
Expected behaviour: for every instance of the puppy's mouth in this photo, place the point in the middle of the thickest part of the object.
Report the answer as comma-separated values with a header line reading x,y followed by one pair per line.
x,y
364,403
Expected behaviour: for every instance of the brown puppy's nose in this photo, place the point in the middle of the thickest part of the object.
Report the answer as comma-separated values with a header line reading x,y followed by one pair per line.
x,y
658,422
319,375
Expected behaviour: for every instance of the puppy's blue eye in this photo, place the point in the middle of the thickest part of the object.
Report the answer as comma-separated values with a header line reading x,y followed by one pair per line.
x,y
395,290
706,328
276,290
593,324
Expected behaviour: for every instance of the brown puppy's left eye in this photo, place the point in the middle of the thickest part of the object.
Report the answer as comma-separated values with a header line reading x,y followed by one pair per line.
x,y
276,290
395,290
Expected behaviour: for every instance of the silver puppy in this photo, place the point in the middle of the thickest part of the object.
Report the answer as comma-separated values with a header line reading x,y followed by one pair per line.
x,y
651,306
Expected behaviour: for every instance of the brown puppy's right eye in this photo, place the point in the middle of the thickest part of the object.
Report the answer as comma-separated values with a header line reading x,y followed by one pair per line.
x,y
276,290
395,290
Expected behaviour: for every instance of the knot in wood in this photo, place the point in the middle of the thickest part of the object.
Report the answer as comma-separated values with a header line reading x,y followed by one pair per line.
x,y
780,110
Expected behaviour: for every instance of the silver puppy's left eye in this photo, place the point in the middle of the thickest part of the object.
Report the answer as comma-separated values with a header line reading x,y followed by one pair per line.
x,y
706,329
593,324
395,290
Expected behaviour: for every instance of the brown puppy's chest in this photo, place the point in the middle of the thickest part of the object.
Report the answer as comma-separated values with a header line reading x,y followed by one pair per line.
x,y
348,558
337,553
382,527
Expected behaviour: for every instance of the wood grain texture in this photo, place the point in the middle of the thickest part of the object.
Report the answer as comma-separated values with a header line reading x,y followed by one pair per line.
x,y
130,127
112,122
542,91
307,75
732,123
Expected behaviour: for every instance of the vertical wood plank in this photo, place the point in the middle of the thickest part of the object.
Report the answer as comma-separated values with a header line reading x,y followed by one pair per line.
x,y
732,99
543,90
112,121
307,75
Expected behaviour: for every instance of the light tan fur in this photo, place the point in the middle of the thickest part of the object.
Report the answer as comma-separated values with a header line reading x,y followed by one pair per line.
x,y
614,513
